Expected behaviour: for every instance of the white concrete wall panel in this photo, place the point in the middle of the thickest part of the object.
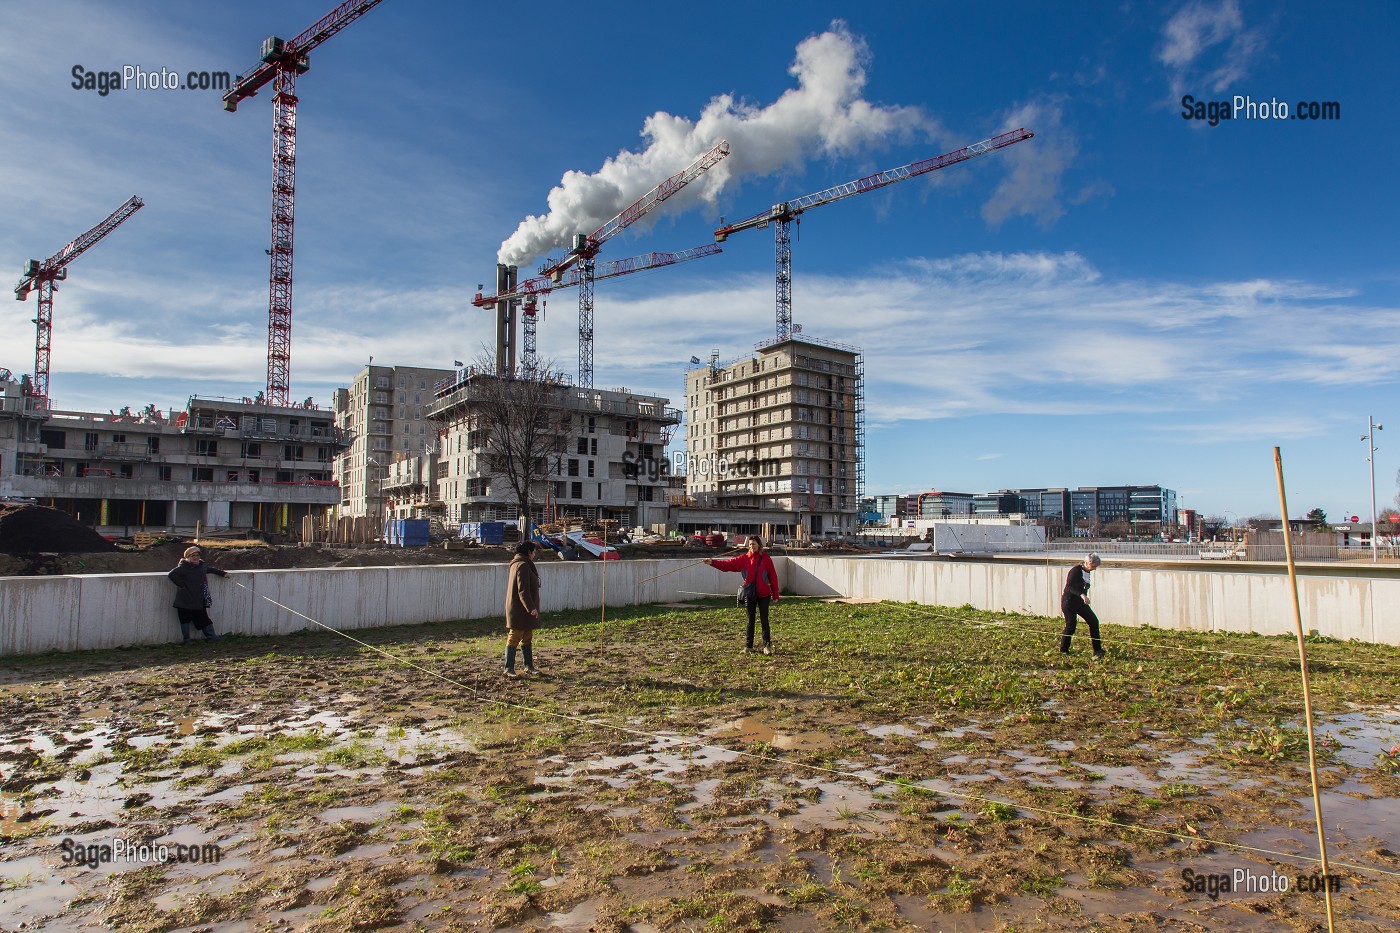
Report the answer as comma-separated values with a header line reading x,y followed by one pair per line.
x,y
44,614
39,614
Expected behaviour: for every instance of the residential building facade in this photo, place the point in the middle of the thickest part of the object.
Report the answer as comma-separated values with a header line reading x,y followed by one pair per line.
x,y
385,411
217,464
781,430
609,460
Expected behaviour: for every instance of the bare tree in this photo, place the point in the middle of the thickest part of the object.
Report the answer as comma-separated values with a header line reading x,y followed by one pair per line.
x,y
1212,525
525,421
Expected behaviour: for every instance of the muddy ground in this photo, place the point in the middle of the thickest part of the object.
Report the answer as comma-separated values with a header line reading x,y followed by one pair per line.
x,y
889,767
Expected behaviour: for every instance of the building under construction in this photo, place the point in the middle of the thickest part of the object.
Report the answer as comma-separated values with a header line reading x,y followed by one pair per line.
x,y
218,464
606,461
384,413
779,435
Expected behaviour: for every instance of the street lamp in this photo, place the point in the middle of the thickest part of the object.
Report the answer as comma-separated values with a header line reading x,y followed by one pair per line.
x,y
1370,438
1234,519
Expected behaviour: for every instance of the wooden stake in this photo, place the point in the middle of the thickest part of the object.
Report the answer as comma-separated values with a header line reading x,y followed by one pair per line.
x,y
1307,691
603,609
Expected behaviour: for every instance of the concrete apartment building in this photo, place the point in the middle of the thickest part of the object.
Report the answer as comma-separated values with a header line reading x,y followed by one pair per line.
x,y
607,462
385,412
780,434
219,463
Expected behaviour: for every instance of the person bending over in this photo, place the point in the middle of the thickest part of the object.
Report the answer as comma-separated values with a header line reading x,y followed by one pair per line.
x,y
1074,603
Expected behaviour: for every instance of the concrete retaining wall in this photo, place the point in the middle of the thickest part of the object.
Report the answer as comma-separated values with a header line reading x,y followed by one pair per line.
x,y
73,613
57,613
1189,597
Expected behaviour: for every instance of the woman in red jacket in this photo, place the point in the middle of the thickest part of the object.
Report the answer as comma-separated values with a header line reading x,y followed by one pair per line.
x,y
760,586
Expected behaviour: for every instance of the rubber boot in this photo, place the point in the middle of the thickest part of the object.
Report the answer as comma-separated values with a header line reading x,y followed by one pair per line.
x,y
209,634
185,632
510,660
1064,644
527,652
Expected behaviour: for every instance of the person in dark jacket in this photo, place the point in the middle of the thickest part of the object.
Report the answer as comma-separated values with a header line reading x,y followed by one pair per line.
x,y
192,596
1074,603
761,582
522,607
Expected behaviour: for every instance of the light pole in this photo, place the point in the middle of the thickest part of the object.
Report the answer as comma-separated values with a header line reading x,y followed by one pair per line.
x,y
1370,438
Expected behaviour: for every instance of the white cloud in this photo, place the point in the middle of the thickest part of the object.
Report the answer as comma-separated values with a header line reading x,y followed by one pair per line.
x,y
825,115
1038,166
1207,43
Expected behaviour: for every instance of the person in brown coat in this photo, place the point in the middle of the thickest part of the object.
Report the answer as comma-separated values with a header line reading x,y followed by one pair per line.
x,y
522,607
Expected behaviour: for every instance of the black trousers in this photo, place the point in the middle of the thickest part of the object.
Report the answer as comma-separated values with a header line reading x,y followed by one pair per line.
x,y
1074,607
759,607
199,618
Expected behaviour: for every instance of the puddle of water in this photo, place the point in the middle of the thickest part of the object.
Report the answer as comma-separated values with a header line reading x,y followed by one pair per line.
x,y
373,851
1362,736
752,729
1128,777
372,814
498,732
704,794
1359,819
884,732
1061,745
670,755
29,890
1046,775
844,807
10,813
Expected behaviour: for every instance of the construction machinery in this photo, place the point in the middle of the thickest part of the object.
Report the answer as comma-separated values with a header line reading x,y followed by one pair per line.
x,y
529,293
45,277
782,215
586,247
281,62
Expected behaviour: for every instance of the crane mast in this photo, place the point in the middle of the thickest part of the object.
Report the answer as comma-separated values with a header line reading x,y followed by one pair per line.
x,y
529,292
586,246
45,275
281,63
782,215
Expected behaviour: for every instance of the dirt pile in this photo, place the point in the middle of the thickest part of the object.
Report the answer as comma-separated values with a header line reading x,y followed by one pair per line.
x,y
31,529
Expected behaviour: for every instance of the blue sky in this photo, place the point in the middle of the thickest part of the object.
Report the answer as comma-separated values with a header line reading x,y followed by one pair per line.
x,y
1128,297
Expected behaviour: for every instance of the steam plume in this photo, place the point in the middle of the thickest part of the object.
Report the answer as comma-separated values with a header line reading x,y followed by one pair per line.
x,y
825,115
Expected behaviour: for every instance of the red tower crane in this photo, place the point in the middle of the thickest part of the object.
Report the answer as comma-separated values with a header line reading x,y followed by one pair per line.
x,y
586,246
46,275
530,291
281,62
781,215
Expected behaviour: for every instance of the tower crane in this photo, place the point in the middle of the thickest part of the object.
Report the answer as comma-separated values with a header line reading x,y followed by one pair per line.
x,y
46,275
781,215
530,291
282,61
586,247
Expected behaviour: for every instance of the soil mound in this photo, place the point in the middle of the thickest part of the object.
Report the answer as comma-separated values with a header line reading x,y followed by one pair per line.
x,y
31,529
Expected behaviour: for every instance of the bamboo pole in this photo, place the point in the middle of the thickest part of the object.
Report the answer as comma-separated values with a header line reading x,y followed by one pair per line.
x,y
1307,690
603,609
